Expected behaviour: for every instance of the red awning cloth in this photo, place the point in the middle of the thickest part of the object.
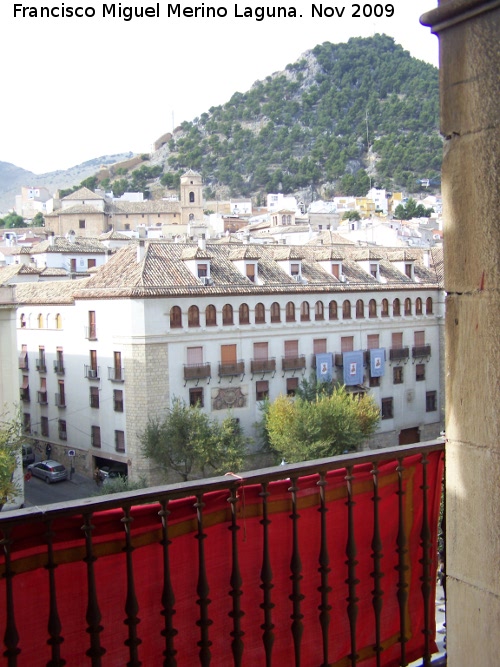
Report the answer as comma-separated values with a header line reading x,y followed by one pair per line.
x,y
31,581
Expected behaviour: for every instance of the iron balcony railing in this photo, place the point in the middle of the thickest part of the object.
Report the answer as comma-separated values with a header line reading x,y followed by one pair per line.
x,y
293,363
421,351
399,353
116,373
231,369
263,365
335,557
197,371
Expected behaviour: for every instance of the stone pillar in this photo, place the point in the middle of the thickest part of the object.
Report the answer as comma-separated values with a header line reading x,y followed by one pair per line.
x,y
469,36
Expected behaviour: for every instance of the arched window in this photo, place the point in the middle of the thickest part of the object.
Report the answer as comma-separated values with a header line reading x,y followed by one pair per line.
x,y
372,308
385,308
260,314
191,197
244,314
210,316
346,310
418,306
360,309
288,219
227,314
22,321
191,217
319,311
290,312
283,219
275,312
304,312
428,306
175,317
333,310
193,316
407,306
40,321
58,321
396,308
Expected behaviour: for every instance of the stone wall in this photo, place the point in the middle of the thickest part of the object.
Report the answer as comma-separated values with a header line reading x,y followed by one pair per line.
x,y
469,34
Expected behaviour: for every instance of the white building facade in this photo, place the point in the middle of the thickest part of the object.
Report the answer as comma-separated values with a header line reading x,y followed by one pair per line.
x,y
226,328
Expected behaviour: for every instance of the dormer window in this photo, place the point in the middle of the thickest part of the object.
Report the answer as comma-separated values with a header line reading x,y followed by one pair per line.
x,y
250,271
336,270
295,269
374,270
202,270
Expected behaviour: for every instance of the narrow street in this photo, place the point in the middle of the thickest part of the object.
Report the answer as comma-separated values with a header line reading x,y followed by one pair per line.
x,y
37,492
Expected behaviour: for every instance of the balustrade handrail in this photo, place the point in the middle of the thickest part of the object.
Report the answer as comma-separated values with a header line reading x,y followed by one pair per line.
x,y
197,487
286,503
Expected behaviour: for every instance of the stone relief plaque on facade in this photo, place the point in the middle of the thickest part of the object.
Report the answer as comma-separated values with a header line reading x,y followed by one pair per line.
x,y
226,399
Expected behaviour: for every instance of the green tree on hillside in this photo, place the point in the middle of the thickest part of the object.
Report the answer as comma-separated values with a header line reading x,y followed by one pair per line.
x,y
12,221
412,210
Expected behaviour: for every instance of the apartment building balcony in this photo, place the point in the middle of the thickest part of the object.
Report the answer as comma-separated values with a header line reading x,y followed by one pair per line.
x,y
399,354
261,366
41,366
197,371
232,369
42,397
293,363
116,374
23,362
324,562
60,400
91,373
421,351
24,395
58,367
90,333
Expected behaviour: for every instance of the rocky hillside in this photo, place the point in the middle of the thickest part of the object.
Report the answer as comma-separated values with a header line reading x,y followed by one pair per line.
x,y
12,178
340,119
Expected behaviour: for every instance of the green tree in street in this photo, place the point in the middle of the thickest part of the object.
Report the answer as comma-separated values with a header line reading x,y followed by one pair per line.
x,y
188,442
10,446
300,429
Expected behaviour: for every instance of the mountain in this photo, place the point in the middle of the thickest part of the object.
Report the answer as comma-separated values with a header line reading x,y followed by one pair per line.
x,y
12,178
342,117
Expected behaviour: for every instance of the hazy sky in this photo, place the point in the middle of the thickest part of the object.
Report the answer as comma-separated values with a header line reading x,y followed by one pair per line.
x,y
75,88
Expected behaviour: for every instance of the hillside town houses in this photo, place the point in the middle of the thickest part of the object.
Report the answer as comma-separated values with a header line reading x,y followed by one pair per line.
x,y
114,321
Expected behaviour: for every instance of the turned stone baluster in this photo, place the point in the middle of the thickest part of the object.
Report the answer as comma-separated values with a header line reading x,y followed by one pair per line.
x,y
296,568
167,598
377,574
131,604
93,615
54,624
202,589
324,569
351,581
236,581
266,577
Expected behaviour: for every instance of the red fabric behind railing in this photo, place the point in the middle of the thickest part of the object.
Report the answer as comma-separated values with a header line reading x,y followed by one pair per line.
x,y
31,582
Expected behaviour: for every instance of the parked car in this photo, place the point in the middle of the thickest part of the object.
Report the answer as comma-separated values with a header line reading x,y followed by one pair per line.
x,y
50,471
28,454
107,473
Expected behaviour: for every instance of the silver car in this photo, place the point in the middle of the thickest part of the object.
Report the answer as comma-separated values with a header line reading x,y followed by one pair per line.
x,y
50,471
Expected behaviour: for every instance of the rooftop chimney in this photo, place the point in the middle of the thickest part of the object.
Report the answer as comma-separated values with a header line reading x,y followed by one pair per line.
x,y
141,250
202,243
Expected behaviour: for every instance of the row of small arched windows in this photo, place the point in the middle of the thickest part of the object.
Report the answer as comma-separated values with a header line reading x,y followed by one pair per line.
x,y
319,312
46,321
